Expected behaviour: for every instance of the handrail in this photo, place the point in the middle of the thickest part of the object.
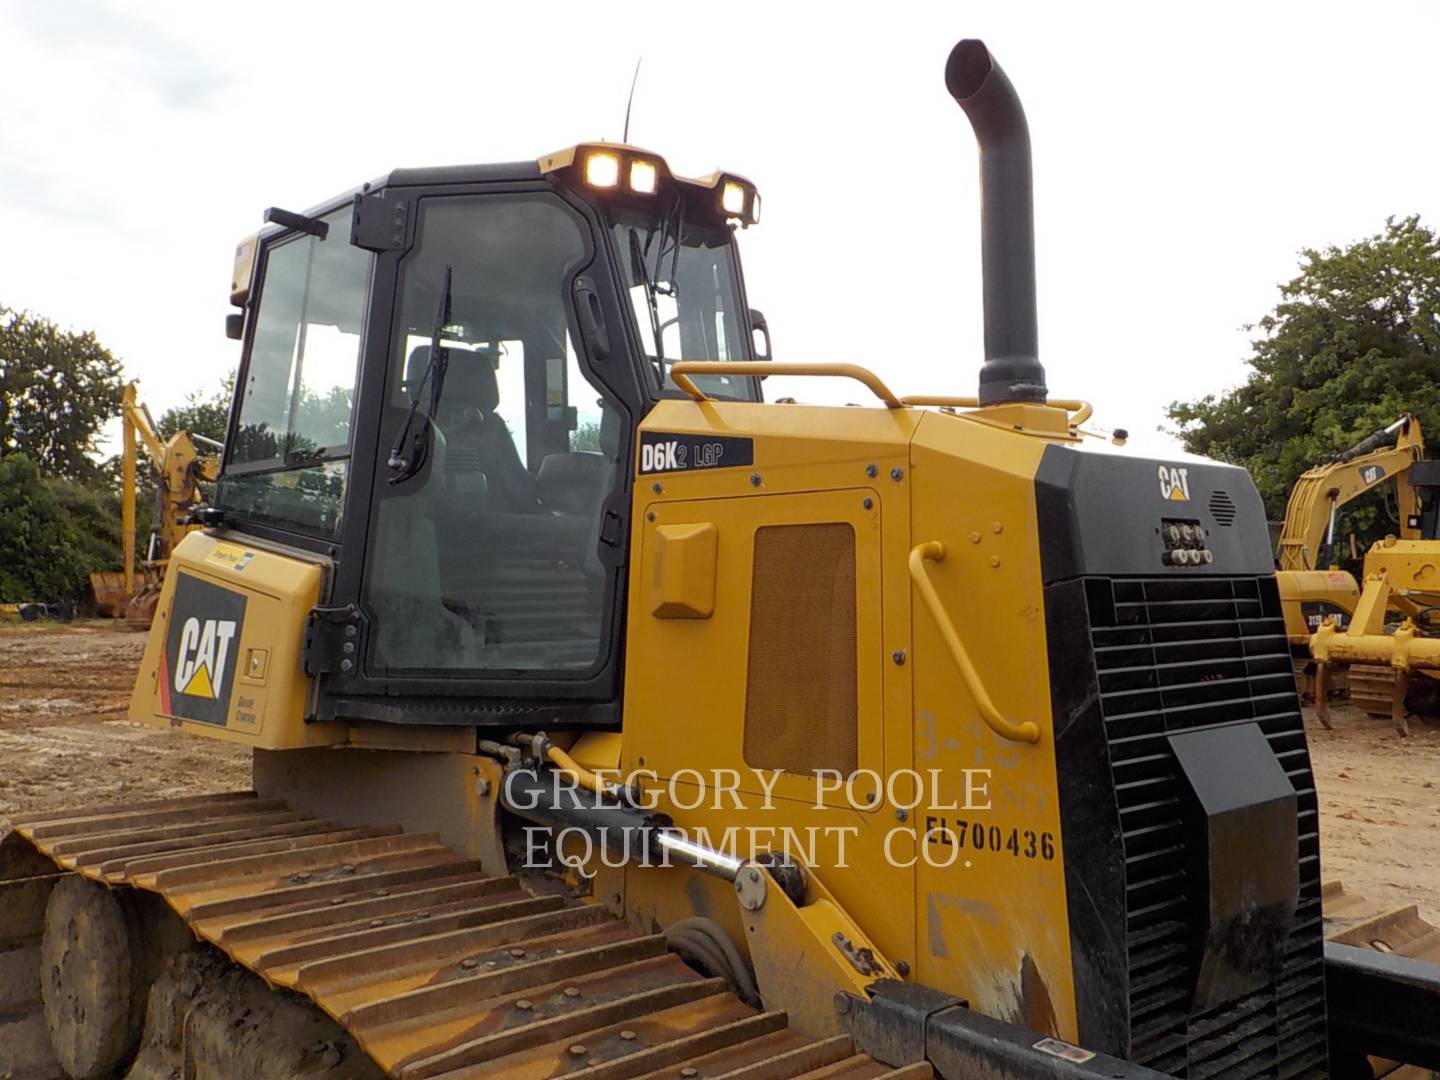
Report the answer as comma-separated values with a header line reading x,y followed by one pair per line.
x,y
682,371
1083,410
1027,731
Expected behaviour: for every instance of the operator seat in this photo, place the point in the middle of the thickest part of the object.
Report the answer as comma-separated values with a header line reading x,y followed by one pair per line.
x,y
478,439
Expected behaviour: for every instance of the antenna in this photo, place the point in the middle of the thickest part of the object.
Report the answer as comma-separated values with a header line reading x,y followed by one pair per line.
x,y
625,138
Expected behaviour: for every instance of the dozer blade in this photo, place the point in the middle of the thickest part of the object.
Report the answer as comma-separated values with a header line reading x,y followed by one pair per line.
x,y
1391,1002
434,967
1355,920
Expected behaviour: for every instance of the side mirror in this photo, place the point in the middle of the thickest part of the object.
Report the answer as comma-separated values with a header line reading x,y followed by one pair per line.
x,y
235,326
760,336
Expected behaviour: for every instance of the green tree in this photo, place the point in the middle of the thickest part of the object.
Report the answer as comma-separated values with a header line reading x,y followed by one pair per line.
x,y
1353,344
42,553
57,387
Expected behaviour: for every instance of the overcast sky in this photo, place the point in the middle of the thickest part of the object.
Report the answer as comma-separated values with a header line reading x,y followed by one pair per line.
x,y
1184,154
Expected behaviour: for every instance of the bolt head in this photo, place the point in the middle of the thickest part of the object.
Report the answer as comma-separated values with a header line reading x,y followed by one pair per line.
x,y
898,656
754,479
869,504
897,473
656,488
871,470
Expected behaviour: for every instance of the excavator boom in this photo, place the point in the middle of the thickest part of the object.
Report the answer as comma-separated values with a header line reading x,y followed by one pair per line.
x,y
1307,540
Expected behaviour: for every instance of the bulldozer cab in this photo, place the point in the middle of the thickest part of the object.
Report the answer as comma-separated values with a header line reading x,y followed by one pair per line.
x,y
440,382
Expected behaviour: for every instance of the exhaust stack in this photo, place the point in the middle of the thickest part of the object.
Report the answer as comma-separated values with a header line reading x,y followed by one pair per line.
x,y
1012,369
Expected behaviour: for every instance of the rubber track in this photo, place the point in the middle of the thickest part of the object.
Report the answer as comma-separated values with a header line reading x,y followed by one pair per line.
x,y
436,968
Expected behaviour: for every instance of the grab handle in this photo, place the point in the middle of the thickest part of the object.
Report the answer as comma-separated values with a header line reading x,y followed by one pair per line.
x,y
934,551
682,371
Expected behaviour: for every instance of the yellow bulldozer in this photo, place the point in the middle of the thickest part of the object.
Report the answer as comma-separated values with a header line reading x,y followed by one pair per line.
x,y
180,468
609,721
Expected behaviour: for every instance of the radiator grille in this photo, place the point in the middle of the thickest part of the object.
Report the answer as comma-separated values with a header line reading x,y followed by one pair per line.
x,y
1175,653
800,696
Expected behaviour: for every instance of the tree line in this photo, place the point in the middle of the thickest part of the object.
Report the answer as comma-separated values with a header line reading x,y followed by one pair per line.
x,y
1352,345
59,498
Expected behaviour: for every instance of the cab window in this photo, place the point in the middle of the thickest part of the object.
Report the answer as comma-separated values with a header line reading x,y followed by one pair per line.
x,y
288,456
684,288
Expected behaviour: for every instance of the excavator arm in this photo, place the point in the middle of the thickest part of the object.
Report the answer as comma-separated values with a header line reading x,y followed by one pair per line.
x,y
179,467
1309,533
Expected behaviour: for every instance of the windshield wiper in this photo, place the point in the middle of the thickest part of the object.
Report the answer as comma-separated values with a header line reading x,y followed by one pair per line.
x,y
637,263
407,465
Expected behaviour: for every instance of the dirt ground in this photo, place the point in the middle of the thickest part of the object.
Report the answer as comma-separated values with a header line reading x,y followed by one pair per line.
x,y
64,738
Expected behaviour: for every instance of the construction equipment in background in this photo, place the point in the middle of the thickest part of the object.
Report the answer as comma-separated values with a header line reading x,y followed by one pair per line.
x,y
1350,639
509,560
180,468
1394,668
1312,585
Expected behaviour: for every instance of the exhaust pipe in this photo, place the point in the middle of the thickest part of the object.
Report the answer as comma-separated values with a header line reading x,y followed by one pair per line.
x,y
1012,369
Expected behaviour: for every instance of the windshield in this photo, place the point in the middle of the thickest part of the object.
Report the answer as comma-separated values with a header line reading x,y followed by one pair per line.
x,y
684,287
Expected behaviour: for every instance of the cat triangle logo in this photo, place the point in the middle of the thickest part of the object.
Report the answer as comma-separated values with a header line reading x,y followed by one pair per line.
x,y
199,684
1174,484
200,660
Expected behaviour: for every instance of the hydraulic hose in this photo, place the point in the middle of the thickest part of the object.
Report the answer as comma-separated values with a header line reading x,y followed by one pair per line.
x,y
706,941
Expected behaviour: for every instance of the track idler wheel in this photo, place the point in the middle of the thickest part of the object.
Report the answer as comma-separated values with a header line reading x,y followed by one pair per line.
x,y
92,977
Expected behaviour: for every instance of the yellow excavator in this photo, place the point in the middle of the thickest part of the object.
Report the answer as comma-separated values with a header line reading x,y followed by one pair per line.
x,y
609,721
1312,585
180,468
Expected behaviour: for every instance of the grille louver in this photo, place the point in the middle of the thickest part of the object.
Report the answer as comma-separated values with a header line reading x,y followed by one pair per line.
x,y
1177,653
1222,508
